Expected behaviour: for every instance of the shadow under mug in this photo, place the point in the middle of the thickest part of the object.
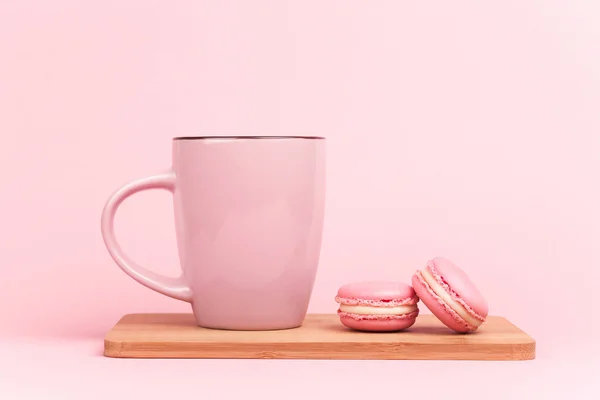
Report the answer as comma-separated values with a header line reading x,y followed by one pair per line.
x,y
249,217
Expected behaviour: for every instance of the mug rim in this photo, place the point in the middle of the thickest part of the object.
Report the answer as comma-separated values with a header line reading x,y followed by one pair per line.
x,y
246,137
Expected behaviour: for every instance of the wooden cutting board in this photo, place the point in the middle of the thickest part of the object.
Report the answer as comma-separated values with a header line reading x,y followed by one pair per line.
x,y
321,336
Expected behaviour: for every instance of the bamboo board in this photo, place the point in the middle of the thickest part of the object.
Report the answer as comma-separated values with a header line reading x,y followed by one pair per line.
x,y
321,336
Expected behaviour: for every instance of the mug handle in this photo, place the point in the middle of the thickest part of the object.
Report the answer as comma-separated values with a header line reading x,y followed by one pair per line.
x,y
171,287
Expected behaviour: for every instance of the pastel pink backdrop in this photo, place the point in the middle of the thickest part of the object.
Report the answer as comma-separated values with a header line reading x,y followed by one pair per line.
x,y
462,129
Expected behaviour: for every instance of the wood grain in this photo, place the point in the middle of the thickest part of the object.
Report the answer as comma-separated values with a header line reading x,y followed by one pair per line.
x,y
321,336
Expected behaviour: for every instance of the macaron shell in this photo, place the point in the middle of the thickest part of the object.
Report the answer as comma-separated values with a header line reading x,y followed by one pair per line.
x,y
461,284
375,325
443,313
376,291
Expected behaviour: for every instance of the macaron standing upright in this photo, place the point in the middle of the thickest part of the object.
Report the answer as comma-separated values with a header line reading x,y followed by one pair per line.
x,y
450,295
377,306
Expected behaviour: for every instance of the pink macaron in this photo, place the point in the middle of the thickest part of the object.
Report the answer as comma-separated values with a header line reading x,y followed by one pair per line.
x,y
377,306
450,295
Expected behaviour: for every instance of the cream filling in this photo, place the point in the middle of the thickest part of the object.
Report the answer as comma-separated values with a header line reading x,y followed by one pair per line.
x,y
448,299
366,310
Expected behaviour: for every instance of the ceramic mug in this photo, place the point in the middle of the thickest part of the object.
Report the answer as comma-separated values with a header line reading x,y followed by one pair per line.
x,y
249,219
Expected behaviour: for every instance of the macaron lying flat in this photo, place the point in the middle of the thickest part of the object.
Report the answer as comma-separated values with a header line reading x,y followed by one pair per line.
x,y
450,295
377,306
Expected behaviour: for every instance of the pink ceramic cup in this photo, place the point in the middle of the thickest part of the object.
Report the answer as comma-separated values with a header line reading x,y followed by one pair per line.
x,y
249,220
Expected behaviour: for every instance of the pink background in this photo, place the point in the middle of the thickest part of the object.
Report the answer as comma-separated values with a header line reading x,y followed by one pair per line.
x,y
463,129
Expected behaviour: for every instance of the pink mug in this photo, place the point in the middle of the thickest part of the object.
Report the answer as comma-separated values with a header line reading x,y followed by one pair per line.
x,y
249,220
